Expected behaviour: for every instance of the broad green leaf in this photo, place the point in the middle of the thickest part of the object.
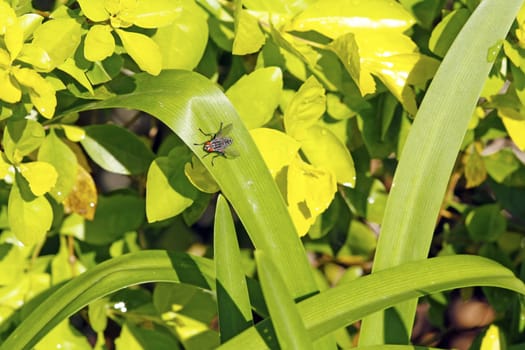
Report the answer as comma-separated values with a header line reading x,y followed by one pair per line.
x,y
338,109
305,108
82,199
133,337
41,92
5,59
116,149
37,57
431,147
516,130
249,37
94,10
233,301
287,322
70,67
6,169
115,215
256,96
155,14
345,47
485,223
9,90
97,314
22,137
29,22
64,161
59,38
168,191
324,150
99,43
277,6
31,220
309,192
182,43
445,32
41,176
333,18
277,149
144,51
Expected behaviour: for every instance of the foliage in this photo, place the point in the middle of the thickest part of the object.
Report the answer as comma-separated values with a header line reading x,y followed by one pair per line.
x,y
342,122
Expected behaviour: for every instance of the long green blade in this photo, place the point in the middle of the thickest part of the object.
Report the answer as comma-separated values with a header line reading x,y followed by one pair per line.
x,y
431,150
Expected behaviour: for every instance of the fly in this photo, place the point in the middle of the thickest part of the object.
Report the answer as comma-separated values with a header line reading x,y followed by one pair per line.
x,y
219,143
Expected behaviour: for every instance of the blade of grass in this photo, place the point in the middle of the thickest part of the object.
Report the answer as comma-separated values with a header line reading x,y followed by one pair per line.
x,y
235,314
286,320
186,101
430,152
345,304
109,276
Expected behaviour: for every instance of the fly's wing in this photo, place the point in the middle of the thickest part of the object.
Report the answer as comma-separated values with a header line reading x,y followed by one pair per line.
x,y
231,152
225,130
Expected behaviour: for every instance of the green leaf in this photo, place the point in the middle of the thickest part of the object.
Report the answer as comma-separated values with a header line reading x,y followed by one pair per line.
x,y
59,38
249,37
432,147
14,39
256,96
7,16
346,48
99,43
485,223
64,161
70,67
132,337
116,149
168,191
28,220
305,108
64,336
182,43
115,215
324,150
94,10
97,314
9,90
234,309
22,137
144,51
286,320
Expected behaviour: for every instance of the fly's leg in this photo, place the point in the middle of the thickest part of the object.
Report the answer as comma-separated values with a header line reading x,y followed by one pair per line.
x,y
218,154
212,135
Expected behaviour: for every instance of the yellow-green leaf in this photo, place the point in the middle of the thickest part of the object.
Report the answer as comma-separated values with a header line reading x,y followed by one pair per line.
x,y
74,133
6,169
5,59
29,221
256,96
41,176
277,149
309,192
345,47
475,170
168,192
94,10
155,14
7,16
143,50
82,199
491,339
70,67
21,137
325,151
248,35
334,18
9,91
64,161
305,108
516,130
14,39
41,92
200,177
99,43
37,57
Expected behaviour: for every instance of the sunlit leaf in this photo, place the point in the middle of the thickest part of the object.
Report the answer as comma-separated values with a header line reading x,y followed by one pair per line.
x,y
70,67
41,176
305,108
73,133
41,92
200,177
516,130
7,16
64,161
155,14
94,10
248,36
325,151
144,51
21,137
31,220
9,91
277,148
446,30
256,96
14,39
99,43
